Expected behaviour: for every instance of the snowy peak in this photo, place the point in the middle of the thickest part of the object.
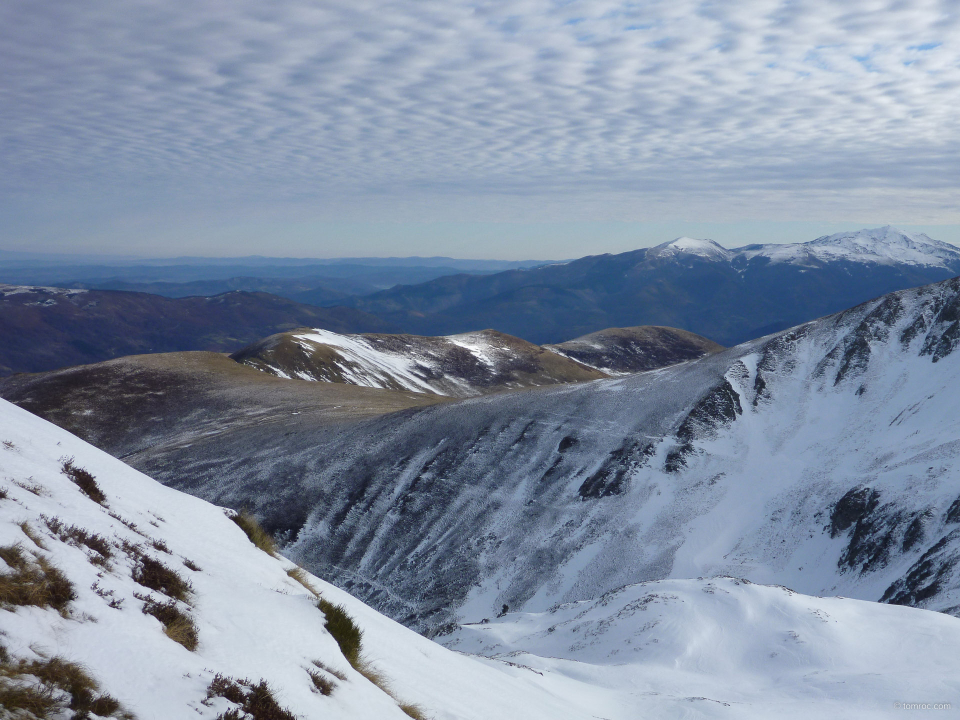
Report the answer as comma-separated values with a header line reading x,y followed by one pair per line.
x,y
707,249
884,246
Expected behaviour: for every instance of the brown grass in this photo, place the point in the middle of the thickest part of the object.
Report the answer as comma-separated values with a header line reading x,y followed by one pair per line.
x,y
154,575
82,479
177,624
256,700
30,487
49,687
321,684
332,671
258,536
191,565
33,581
34,538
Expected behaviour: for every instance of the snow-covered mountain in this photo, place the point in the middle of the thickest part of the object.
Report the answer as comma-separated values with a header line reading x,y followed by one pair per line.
x,y
459,366
825,458
468,364
122,598
883,246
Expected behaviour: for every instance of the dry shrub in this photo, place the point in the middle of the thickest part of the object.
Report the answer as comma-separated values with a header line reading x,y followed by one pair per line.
x,y
48,687
160,545
78,536
127,523
33,581
258,536
82,479
256,700
177,624
154,575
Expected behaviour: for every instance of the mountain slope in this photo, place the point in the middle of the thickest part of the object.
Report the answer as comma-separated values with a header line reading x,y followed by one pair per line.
x,y
729,296
458,366
48,328
124,553
823,458
143,401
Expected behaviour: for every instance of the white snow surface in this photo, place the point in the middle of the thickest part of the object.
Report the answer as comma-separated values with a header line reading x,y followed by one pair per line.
x,y
885,246
716,648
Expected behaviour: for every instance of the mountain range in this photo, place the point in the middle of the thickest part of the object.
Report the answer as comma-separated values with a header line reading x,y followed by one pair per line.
x,y
729,296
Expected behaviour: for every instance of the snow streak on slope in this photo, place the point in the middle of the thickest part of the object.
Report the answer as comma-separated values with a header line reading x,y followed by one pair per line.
x,y
712,649
459,365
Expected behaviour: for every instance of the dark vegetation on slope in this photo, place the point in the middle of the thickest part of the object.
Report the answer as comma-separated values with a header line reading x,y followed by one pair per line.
x,y
46,329
635,349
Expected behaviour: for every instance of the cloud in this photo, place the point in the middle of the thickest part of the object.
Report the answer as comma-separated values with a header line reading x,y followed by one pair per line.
x,y
643,107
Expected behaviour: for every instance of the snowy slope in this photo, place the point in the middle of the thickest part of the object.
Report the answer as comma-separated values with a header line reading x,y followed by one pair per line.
x,y
825,458
253,620
676,649
724,648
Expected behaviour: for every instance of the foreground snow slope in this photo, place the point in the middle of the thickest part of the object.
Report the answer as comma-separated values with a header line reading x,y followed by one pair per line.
x,y
675,649
253,620
723,648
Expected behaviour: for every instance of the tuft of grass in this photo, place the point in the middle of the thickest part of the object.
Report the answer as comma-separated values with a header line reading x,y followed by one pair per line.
x,y
414,711
77,536
344,630
321,684
349,637
177,624
33,581
191,565
49,687
82,479
3,493
9,445
300,576
256,701
30,487
154,575
34,538
332,671
258,536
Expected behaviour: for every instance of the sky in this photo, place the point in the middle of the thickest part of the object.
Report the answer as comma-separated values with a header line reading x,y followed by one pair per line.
x,y
506,129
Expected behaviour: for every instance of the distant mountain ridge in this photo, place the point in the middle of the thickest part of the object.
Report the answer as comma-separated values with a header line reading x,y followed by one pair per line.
x,y
729,296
